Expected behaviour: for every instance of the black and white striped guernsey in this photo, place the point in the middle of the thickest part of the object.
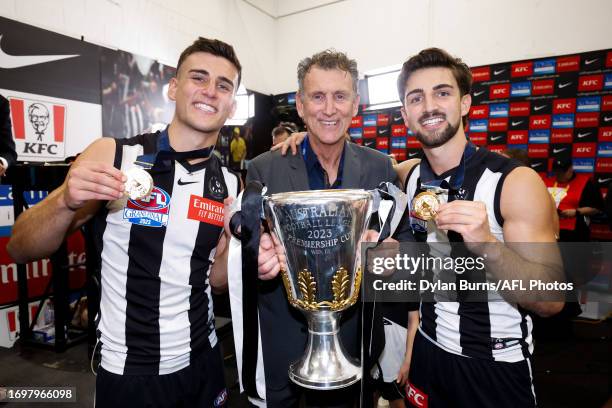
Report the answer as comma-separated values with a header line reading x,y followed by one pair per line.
x,y
494,330
155,256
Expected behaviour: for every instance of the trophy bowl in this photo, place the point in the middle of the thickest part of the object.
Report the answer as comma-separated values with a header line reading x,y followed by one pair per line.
x,y
320,232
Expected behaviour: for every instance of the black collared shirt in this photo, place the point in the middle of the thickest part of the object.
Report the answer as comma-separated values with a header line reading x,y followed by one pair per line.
x,y
317,176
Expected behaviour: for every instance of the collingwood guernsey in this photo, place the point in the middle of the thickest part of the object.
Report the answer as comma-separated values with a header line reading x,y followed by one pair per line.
x,y
156,311
494,330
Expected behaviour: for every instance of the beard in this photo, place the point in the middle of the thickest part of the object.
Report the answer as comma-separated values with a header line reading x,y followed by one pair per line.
x,y
440,137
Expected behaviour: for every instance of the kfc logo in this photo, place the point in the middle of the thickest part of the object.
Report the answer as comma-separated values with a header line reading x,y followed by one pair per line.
x,y
522,69
499,91
38,128
416,397
540,122
590,83
584,149
356,122
517,137
479,112
605,134
564,105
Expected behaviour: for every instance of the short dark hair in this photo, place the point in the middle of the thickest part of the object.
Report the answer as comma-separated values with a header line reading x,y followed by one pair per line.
x,y
279,130
328,59
214,47
435,57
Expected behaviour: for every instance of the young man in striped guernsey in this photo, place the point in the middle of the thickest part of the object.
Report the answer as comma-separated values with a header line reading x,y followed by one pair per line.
x,y
158,342
468,353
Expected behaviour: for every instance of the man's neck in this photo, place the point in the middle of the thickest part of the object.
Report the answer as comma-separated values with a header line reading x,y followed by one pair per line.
x,y
328,155
447,156
185,139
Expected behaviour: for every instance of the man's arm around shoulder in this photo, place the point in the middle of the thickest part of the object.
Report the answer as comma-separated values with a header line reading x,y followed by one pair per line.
x,y
40,230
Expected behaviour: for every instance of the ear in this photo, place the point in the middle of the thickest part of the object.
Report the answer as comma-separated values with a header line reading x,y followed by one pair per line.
x,y
466,103
404,116
172,89
356,104
298,104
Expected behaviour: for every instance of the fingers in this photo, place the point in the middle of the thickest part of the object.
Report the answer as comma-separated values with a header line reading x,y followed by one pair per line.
x,y
268,264
226,215
284,147
370,236
294,145
93,181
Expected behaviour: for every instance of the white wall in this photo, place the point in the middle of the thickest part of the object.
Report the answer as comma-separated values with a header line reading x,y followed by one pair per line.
x,y
377,33
385,32
159,29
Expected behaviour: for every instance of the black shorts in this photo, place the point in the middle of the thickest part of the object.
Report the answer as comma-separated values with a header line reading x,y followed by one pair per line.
x,y
201,384
441,379
390,391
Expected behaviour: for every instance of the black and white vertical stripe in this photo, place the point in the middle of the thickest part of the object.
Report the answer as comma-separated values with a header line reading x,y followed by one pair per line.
x,y
470,328
156,304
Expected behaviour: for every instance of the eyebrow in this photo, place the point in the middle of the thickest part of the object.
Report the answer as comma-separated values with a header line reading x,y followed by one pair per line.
x,y
205,72
435,88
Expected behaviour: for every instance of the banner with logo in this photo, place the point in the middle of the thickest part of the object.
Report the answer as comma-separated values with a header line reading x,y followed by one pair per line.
x,y
53,84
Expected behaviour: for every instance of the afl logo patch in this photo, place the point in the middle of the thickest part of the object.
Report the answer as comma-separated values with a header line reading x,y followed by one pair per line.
x,y
216,188
152,211
221,399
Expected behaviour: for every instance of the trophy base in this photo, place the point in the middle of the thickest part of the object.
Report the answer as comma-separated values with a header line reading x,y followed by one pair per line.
x,y
325,365
352,376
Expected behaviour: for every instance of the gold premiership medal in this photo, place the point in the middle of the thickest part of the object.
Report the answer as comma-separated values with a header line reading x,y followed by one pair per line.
x,y
425,205
139,183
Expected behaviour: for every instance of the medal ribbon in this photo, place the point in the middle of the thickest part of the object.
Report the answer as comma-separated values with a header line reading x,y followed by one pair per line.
x,y
429,179
162,160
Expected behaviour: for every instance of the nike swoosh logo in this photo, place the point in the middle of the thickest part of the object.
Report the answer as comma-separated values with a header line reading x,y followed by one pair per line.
x,y
498,72
516,123
478,93
604,180
412,154
555,151
536,165
184,183
396,119
606,119
279,100
581,135
537,108
8,61
561,86
496,138
383,131
589,62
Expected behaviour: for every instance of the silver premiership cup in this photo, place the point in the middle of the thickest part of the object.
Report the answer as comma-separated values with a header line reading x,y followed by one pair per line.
x,y
320,231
